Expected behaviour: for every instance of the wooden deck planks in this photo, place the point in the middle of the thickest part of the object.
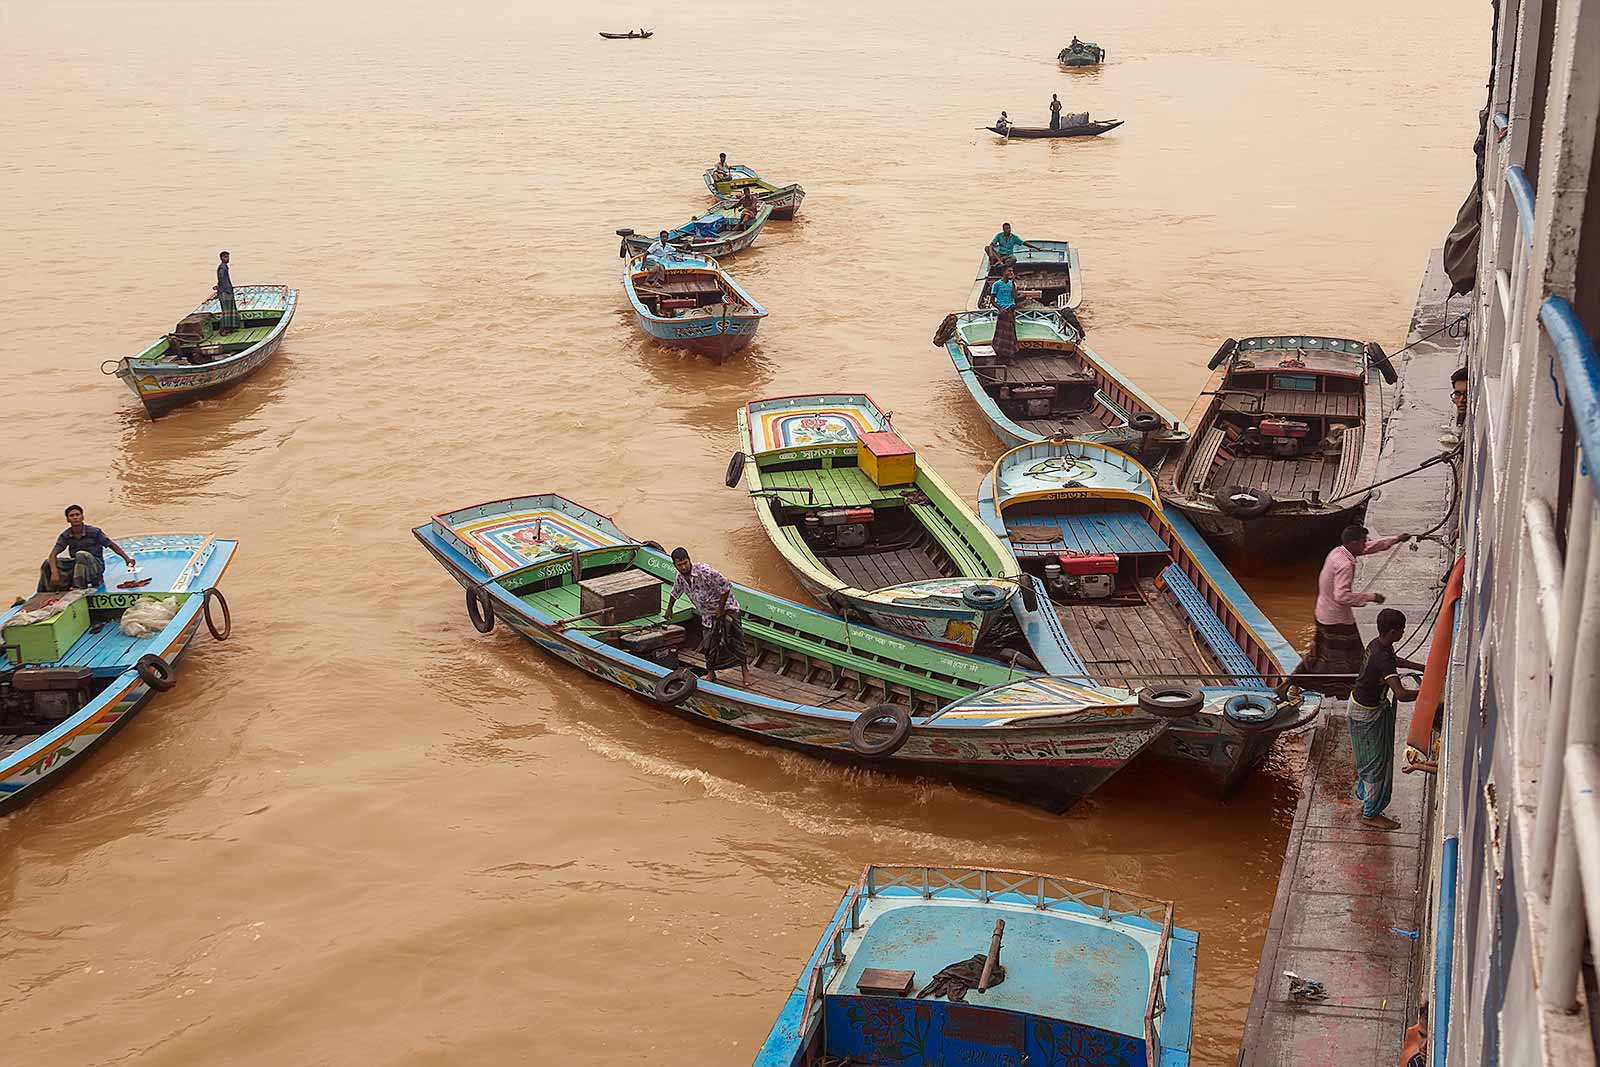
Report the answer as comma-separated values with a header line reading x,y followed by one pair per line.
x,y
1286,479
1135,644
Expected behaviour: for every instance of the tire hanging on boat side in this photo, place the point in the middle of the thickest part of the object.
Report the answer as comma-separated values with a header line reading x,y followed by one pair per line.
x,y
899,733
156,672
480,609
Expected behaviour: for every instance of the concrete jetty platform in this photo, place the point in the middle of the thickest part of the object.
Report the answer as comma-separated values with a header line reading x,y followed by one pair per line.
x,y
1350,898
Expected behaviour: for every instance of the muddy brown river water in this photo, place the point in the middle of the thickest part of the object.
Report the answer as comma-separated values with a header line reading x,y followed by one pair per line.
x,y
361,833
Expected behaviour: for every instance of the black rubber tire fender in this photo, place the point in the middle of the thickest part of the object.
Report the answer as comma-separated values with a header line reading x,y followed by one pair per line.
x,y
1226,349
676,687
1030,595
1244,502
1022,661
480,609
214,596
1250,712
1146,422
156,672
984,597
1171,701
1377,357
898,735
735,470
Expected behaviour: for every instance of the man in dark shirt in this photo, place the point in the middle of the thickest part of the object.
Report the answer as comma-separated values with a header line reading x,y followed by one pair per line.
x,y
1373,709
224,290
78,560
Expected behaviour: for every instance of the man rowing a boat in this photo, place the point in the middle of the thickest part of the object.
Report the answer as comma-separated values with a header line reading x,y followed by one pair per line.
x,y
224,291
1003,247
78,560
721,626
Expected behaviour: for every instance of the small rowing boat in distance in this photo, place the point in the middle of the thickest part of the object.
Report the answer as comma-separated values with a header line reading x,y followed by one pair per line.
x,y
631,35
1085,129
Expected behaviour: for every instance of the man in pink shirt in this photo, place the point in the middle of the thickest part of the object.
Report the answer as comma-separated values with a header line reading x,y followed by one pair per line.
x,y
1336,646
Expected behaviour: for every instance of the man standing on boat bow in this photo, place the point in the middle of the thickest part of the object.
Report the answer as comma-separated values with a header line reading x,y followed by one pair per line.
x,y
1334,658
225,301
721,626
1055,112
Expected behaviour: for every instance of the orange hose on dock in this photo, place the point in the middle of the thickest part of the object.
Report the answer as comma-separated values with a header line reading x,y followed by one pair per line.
x,y
1420,736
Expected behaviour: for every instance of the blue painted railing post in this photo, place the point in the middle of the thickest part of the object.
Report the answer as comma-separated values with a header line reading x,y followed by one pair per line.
x,y
1444,950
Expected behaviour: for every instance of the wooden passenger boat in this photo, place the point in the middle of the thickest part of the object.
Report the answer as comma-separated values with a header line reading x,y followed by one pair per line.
x,y
631,35
716,234
70,677
867,527
696,306
1046,970
785,200
1141,603
1286,438
1082,54
1082,129
1055,386
1051,269
571,582
197,359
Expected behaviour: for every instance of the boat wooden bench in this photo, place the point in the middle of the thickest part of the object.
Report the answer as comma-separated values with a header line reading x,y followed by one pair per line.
x,y
778,685
960,551
1292,402
1211,628
854,665
1205,456
832,487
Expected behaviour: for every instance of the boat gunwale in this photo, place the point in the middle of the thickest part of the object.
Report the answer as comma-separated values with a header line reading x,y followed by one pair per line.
x,y
756,311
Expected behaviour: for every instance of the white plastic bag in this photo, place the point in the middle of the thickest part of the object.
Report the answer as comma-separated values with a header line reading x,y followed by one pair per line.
x,y
149,616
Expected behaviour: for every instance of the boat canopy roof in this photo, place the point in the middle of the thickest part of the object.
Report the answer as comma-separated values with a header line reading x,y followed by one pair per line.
x,y
1072,951
824,421
1322,355
506,535
1055,469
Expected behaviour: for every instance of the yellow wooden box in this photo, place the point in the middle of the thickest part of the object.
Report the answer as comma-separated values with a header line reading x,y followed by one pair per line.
x,y
886,459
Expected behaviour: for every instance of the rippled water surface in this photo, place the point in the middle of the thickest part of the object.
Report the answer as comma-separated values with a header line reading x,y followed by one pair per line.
x,y
361,833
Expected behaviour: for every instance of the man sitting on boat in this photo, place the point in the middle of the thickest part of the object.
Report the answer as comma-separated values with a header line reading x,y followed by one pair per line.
x,y
721,626
1003,123
749,203
721,172
1334,658
656,256
78,560
1002,249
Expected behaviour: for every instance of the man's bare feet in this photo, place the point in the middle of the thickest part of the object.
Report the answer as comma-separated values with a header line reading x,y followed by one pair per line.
x,y
1379,822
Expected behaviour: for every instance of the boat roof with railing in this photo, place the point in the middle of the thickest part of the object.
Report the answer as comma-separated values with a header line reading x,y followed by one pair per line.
x,y
1047,470
1084,964
1036,328
1320,355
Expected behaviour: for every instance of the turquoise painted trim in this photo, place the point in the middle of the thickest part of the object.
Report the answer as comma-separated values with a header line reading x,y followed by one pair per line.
x,y
1225,582
1177,1025
787,1036
1522,192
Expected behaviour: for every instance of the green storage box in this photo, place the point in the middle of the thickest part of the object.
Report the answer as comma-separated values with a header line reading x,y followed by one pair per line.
x,y
46,641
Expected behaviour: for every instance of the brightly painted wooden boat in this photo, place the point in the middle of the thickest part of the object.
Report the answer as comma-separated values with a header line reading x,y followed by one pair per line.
x,y
1286,439
785,200
1051,268
817,682
1082,129
716,233
696,306
1092,976
55,711
1141,604
196,360
1056,386
1080,54
875,535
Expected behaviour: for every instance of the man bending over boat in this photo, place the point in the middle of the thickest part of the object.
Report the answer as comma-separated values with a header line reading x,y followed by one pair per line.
x,y
1334,658
656,256
1003,247
78,560
721,627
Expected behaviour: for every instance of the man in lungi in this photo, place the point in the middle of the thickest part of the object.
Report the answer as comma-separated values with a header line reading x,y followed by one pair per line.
x,y
224,291
1336,645
721,626
1373,709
